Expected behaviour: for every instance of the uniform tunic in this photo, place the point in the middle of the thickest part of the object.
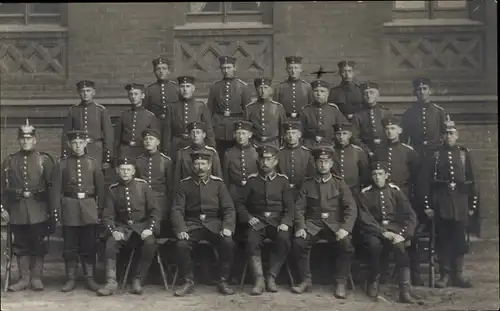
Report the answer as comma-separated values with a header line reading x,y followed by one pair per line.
x,y
317,123
368,126
159,96
239,163
351,163
348,96
297,164
129,128
293,94
267,117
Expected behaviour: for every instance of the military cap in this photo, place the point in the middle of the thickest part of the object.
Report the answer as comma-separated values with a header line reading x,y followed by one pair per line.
x,y
380,165
292,125
267,151
293,60
26,130
449,125
186,79
344,63
320,83
262,81
243,125
322,152
421,81
339,127
161,60
200,155
227,60
85,83
369,85
125,160
195,125
77,134
136,86
390,120
151,132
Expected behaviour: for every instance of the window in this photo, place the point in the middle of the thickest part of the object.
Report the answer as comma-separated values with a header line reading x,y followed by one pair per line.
x,y
431,9
30,13
225,12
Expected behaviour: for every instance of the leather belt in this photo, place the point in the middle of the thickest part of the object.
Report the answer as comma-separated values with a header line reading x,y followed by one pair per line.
x,y
292,186
79,195
269,214
318,215
202,216
292,114
230,114
162,116
385,222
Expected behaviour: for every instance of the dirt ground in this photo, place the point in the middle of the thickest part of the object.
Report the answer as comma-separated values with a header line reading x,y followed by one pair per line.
x,y
482,267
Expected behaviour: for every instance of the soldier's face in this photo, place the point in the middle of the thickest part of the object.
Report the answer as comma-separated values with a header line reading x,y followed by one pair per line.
x,y
264,91
135,96
294,70
161,71
267,164
292,137
86,93
201,167
371,96
323,166
379,177
126,171
78,146
187,90
27,143
242,137
228,70
321,94
392,132
197,136
423,93
151,143
343,137
346,73
450,137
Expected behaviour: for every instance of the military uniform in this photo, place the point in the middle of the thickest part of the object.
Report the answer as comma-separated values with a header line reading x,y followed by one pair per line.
x,y
78,197
203,208
226,101
25,183
348,96
93,119
324,205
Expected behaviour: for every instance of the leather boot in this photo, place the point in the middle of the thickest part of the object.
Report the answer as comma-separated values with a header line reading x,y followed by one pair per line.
x,y
444,276
258,274
271,284
142,273
111,285
224,288
458,279
303,287
340,289
23,263
373,286
405,285
88,272
186,288
36,273
70,275
416,278
137,286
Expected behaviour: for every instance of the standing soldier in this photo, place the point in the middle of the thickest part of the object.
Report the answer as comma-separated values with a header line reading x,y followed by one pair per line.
x,y
325,209
94,120
132,216
203,210
227,100
26,179
294,160
266,115
78,197
319,117
132,122
454,199
293,93
348,95
266,205
182,112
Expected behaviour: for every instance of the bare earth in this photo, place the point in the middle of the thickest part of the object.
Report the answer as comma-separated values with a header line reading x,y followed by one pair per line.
x,y
482,267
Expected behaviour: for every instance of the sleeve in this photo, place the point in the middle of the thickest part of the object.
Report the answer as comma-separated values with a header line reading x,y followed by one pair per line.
x,y
300,209
108,213
216,167
356,129
246,112
177,171
108,135
350,210
281,121
406,227
56,190
414,167
246,97
48,169
277,93
405,134
212,99
364,167
228,211
288,204
311,166
310,95
169,176
118,135
225,168
153,208
4,184
426,182
470,178
178,210
241,203
67,126
206,117
365,218
99,185
167,133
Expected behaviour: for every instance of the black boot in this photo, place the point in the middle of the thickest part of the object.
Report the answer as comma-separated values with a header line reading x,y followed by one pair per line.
x,y
88,272
458,279
303,287
271,284
444,276
70,275
258,274
23,263
111,285
36,273
186,288
142,274
405,285
224,288
373,286
340,289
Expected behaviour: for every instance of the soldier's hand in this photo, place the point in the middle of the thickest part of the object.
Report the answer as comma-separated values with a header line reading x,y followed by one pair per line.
x,y
105,166
253,221
397,238
146,233
429,212
183,236
301,233
472,212
118,236
225,232
5,216
388,235
282,227
341,233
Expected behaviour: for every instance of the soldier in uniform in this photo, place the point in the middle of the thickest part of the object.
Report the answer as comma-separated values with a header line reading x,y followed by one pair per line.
x,y
227,100
293,93
132,122
294,160
454,196
94,120
203,210
387,221
266,204
266,115
319,117
325,209
78,197
348,95
132,216
183,166
157,170
25,206
186,110
368,129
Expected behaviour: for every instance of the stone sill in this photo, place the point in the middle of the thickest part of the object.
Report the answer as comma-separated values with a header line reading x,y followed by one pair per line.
x,y
32,28
221,26
423,22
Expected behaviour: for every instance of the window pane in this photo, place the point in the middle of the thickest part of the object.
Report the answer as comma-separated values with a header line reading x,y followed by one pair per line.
x,y
12,8
452,4
45,8
205,7
245,6
410,5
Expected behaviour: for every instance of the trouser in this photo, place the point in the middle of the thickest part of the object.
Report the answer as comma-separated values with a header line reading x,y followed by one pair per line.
x,y
29,240
343,249
376,246
222,146
451,242
223,245
79,241
281,247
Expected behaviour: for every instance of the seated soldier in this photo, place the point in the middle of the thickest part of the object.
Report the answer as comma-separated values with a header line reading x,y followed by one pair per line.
x,y
325,209
203,210
131,215
386,222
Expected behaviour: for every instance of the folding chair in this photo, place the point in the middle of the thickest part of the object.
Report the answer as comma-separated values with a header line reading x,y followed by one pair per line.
x,y
325,264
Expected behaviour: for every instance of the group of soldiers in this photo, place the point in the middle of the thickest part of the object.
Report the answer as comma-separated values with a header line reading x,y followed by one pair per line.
x,y
302,162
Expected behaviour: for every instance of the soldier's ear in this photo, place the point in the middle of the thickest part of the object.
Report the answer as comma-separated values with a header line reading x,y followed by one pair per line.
x,y
194,88
399,130
250,134
143,95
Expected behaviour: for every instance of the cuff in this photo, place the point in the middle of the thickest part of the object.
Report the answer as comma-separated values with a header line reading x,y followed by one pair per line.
x,y
474,203
152,225
1,208
107,156
56,215
426,202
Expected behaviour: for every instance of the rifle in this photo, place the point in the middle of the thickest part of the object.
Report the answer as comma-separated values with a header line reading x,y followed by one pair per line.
x,y
8,256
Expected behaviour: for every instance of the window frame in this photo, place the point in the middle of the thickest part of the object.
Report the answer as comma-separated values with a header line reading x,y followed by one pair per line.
x,y
27,15
432,11
226,15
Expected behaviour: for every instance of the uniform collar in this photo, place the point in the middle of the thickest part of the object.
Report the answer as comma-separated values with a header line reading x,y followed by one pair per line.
x,y
126,183
264,101
228,79
77,156
247,146
135,108
198,181
317,104
292,80
393,143
292,148
339,146
26,152
375,106
424,104
197,147
83,104
323,180
187,101
447,147
148,154
379,188
271,176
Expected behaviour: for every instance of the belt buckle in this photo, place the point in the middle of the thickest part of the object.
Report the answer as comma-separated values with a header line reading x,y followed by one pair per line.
x,y
325,215
426,142
293,114
385,222
267,214
264,138
319,139
89,140
453,186
202,217
349,116
162,116
80,195
227,113
130,222
185,136
26,194
243,182
132,144
292,186
376,141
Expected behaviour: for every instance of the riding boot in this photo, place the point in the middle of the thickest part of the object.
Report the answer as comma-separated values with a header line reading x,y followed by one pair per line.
x,y
111,285
258,274
88,272
36,273
70,275
23,263
457,278
405,285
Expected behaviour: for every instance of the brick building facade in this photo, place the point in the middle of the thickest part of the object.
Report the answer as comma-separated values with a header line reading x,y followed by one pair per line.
x,y
46,48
